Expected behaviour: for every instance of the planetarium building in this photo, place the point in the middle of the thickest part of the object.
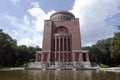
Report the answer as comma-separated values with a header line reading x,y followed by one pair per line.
x,y
62,43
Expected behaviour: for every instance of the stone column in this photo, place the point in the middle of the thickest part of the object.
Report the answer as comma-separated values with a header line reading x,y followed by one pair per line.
x,y
63,49
87,56
70,43
80,57
66,43
67,48
59,48
42,57
55,47
36,59
48,57
73,57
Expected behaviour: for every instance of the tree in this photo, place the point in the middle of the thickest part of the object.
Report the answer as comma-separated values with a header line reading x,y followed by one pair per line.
x,y
104,47
13,55
7,49
100,52
115,48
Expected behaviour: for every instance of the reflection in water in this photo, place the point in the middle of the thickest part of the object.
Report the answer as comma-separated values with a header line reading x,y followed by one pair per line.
x,y
75,75
59,75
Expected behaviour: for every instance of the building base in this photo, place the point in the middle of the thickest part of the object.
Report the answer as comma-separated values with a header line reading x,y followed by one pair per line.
x,y
60,65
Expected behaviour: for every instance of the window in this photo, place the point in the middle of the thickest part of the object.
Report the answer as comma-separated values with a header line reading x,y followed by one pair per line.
x,y
61,29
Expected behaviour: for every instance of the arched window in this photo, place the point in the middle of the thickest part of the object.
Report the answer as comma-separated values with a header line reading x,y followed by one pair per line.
x,y
61,29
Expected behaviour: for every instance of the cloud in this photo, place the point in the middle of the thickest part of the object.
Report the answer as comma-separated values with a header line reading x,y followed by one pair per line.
x,y
14,1
92,15
11,19
34,41
15,32
35,4
38,20
26,20
23,30
26,41
28,30
39,16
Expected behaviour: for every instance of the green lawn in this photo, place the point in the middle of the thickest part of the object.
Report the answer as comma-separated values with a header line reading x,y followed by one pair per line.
x,y
3,68
117,69
104,66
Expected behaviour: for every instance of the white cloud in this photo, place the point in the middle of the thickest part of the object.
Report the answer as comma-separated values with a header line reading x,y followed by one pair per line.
x,y
28,31
33,40
15,32
39,16
35,4
14,1
25,41
92,15
11,19
26,20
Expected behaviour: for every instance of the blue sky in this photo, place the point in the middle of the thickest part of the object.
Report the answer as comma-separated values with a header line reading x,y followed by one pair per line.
x,y
24,19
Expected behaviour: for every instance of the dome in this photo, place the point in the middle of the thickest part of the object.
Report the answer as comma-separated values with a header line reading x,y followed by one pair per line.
x,y
62,16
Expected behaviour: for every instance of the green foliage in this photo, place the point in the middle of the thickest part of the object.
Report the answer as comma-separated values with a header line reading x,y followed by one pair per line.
x,y
101,51
13,55
115,47
7,49
104,66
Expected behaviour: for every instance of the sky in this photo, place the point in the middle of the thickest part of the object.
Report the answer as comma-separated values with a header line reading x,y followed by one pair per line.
x,y
23,20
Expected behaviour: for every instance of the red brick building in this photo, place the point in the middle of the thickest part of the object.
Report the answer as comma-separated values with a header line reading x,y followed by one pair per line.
x,y
62,40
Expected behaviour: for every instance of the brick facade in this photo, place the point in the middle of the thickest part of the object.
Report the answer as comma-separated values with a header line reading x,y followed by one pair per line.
x,y
62,40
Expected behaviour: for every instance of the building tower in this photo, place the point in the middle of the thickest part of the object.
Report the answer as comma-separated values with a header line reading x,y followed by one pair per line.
x,y
61,40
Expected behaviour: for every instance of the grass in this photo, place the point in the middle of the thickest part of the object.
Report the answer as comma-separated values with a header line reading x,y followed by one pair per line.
x,y
3,68
104,66
117,69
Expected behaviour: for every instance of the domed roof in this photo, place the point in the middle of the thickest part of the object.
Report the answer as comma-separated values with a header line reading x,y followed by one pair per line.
x,y
62,15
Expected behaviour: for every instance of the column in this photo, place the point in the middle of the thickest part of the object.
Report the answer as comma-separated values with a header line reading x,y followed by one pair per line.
x,y
73,57
59,48
66,43
67,48
55,47
63,49
36,59
70,43
42,57
48,57
87,56
80,57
